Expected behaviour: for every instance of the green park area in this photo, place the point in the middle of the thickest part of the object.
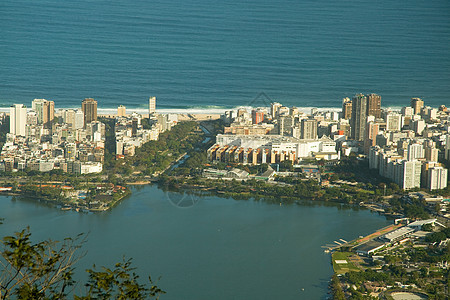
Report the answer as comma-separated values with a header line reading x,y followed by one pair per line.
x,y
343,262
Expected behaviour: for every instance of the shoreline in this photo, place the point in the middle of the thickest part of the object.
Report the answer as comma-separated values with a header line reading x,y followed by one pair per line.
x,y
194,110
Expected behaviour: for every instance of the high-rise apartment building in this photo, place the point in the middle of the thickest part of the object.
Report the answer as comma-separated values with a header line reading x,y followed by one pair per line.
x,y
447,147
274,109
431,153
393,122
416,104
374,105
78,119
17,119
418,126
151,105
89,108
437,178
346,108
69,117
257,116
407,111
308,129
371,133
285,124
121,111
359,116
415,151
45,111
409,175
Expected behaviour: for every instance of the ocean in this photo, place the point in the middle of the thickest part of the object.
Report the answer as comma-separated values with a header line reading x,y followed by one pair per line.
x,y
212,55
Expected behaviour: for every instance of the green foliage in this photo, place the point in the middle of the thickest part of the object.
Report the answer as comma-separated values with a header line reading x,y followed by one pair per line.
x,y
427,227
436,237
120,283
37,271
156,156
286,166
336,289
44,270
411,208
38,192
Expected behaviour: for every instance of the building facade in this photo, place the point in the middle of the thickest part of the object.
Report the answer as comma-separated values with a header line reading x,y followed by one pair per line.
x,y
359,115
18,119
89,108
152,105
374,105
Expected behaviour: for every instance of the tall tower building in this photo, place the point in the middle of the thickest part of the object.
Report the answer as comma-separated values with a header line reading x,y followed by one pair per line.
x,y
374,105
447,147
257,116
308,129
151,105
285,124
415,151
393,122
121,111
409,175
78,120
359,116
346,108
437,178
416,104
431,153
45,111
17,119
371,133
69,117
89,108
274,109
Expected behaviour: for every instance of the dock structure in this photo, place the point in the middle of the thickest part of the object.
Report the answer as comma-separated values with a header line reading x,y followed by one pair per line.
x,y
359,241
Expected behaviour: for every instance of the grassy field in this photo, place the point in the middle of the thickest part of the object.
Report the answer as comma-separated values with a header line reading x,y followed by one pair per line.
x,y
343,268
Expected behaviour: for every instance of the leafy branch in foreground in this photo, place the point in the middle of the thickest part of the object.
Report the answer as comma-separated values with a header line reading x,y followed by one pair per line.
x,y
35,271
120,281
45,270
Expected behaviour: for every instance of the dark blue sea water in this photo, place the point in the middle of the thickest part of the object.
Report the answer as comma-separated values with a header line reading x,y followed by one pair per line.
x,y
223,53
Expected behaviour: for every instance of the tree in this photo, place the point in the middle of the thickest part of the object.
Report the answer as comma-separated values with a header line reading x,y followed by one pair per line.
x,y
120,283
44,270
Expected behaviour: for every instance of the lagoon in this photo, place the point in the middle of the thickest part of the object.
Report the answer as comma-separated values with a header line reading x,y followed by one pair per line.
x,y
217,248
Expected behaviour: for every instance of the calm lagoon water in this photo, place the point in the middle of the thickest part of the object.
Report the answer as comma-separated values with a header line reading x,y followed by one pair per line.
x,y
217,249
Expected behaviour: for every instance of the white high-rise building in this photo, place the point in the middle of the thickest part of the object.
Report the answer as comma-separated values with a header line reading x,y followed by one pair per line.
x,y
431,153
78,119
407,111
69,117
418,126
122,111
437,178
393,122
18,119
152,105
415,151
45,111
409,175
447,147
274,109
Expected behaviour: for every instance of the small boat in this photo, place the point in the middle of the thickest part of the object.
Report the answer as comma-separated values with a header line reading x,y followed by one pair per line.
x,y
66,208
